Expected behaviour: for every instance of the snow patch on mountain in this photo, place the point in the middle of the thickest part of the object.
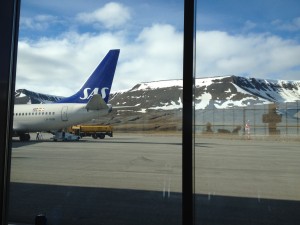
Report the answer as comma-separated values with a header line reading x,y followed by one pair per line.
x,y
157,85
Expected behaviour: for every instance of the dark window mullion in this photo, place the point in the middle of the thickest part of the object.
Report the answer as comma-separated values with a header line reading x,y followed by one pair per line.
x,y
9,29
188,215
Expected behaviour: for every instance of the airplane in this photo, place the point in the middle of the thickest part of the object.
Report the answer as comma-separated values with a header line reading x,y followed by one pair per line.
x,y
87,103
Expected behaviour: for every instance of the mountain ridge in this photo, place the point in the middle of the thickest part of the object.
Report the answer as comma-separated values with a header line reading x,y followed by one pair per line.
x,y
210,92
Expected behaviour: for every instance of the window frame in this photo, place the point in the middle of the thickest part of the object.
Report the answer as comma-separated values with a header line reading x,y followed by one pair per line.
x,y
189,58
9,27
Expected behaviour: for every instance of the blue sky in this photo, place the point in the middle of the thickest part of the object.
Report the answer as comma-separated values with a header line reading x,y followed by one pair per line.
x,y
267,16
61,41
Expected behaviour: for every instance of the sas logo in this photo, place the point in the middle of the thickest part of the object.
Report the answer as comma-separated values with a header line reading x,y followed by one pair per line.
x,y
87,93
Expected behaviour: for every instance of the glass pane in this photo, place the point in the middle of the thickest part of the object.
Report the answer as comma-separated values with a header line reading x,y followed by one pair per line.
x,y
247,100
121,164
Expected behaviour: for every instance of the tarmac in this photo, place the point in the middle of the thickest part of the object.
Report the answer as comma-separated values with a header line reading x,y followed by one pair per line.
x,y
136,179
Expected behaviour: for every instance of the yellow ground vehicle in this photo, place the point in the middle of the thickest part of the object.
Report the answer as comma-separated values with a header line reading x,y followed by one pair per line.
x,y
95,131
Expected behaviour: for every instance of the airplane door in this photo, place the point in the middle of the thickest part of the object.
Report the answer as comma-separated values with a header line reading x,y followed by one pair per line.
x,y
64,113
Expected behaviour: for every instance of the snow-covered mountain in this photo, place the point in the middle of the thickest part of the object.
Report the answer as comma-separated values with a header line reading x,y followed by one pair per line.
x,y
214,92
23,96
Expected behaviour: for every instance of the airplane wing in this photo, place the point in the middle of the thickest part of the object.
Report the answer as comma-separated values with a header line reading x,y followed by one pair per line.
x,y
96,103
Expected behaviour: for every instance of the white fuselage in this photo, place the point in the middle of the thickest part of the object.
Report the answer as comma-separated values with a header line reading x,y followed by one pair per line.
x,y
51,117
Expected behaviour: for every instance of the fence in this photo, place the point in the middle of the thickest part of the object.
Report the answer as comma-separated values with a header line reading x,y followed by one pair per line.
x,y
272,119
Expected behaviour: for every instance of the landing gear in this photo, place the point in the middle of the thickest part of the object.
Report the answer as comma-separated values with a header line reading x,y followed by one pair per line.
x,y
24,137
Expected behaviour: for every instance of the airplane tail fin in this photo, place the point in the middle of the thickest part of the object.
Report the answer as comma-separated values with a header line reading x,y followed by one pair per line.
x,y
99,82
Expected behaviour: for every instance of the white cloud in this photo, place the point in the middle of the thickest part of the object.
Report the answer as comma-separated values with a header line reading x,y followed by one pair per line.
x,y
111,15
249,25
259,55
65,63
291,26
156,55
60,66
39,22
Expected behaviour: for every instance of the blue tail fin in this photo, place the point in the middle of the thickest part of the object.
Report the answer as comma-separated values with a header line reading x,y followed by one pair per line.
x,y
99,82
